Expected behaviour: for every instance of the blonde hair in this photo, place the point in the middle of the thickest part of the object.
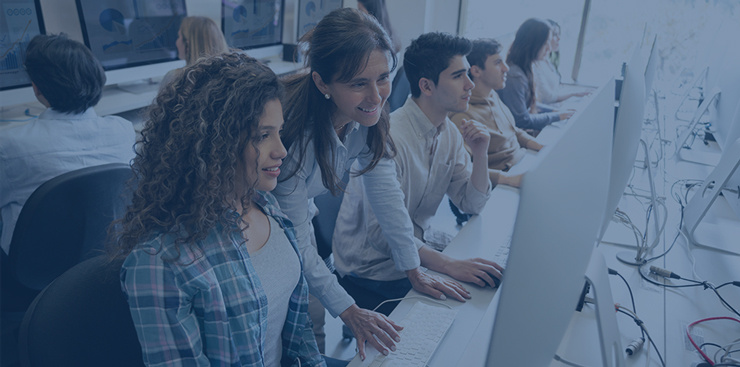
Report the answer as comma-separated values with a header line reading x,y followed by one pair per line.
x,y
202,37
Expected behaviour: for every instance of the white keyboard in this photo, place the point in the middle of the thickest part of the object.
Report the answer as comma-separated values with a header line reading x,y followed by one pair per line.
x,y
502,254
423,329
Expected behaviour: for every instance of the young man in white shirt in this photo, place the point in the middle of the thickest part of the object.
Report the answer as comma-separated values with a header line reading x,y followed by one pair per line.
x,y
431,161
67,136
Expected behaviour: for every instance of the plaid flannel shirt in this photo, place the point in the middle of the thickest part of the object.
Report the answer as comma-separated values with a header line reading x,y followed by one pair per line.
x,y
209,308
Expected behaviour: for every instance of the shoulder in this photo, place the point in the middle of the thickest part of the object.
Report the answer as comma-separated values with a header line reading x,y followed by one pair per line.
x,y
271,207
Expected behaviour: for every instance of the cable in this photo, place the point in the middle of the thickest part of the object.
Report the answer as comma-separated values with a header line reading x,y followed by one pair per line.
x,y
698,348
641,324
632,298
565,361
412,297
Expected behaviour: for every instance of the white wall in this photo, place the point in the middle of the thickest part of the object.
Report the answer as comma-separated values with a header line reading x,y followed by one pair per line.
x,y
412,18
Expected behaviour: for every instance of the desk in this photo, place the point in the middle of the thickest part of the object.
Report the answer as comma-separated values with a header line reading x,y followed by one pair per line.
x,y
666,312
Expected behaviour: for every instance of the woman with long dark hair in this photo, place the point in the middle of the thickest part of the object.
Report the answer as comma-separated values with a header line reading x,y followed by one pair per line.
x,y
531,43
212,272
334,118
548,85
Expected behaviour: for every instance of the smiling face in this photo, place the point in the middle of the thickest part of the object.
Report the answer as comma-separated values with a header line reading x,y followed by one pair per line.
x,y
494,74
361,99
264,154
454,87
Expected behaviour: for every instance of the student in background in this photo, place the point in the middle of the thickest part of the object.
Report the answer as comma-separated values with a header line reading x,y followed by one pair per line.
x,y
68,135
508,142
334,116
431,161
198,37
547,77
531,43
212,272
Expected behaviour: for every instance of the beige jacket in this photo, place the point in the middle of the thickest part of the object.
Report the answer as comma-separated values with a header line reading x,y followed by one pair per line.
x,y
508,142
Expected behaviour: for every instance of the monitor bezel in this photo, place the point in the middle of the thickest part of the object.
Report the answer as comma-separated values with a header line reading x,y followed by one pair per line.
x,y
42,30
298,19
85,37
281,27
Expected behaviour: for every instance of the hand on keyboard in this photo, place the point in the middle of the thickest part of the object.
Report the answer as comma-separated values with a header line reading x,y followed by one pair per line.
x,y
425,326
479,271
436,286
365,323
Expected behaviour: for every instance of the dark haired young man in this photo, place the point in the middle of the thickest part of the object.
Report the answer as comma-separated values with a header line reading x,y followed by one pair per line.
x,y
508,142
68,135
431,161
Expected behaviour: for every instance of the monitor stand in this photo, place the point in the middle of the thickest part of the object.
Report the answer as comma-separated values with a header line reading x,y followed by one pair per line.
x,y
644,250
683,149
716,232
606,319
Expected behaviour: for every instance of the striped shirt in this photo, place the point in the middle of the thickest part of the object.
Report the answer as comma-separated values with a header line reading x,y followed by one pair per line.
x,y
209,308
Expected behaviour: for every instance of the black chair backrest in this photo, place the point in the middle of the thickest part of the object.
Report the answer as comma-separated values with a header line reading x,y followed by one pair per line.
x,y
81,319
64,220
401,88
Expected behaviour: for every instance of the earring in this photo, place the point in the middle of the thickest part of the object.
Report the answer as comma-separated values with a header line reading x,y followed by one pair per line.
x,y
327,96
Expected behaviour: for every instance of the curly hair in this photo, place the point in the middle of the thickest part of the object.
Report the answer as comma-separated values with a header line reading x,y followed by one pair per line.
x,y
186,162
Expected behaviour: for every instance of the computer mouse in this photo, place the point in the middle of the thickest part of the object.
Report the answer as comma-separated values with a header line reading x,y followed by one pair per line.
x,y
496,282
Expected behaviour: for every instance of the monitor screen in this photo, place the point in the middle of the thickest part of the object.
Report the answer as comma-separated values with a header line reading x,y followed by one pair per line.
x,y
125,33
252,23
20,21
310,13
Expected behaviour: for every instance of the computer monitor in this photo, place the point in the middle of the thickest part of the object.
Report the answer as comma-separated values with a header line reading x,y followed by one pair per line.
x,y
652,66
249,24
627,131
562,203
128,33
719,232
727,76
20,21
310,12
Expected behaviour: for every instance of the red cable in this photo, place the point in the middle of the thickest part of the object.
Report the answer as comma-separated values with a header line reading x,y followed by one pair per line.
x,y
688,333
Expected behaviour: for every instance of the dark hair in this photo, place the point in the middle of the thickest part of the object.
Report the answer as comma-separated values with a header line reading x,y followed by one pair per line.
x,y
378,9
190,148
529,39
429,55
482,49
65,72
339,48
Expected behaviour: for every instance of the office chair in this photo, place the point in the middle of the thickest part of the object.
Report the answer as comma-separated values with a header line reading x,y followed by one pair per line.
x,y
81,319
63,222
401,88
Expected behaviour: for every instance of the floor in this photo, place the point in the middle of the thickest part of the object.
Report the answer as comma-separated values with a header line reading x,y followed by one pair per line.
x,y
339,348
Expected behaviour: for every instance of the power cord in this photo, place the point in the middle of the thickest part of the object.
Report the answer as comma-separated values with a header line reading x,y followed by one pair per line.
x,y
726,348
425,299
632,297
626,311
695,283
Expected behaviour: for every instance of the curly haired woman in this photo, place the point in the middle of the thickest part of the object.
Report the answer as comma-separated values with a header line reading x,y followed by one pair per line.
x,y
212,273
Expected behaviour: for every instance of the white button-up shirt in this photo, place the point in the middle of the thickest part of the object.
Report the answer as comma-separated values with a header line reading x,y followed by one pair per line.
x,y
51,145
383,194
430,163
